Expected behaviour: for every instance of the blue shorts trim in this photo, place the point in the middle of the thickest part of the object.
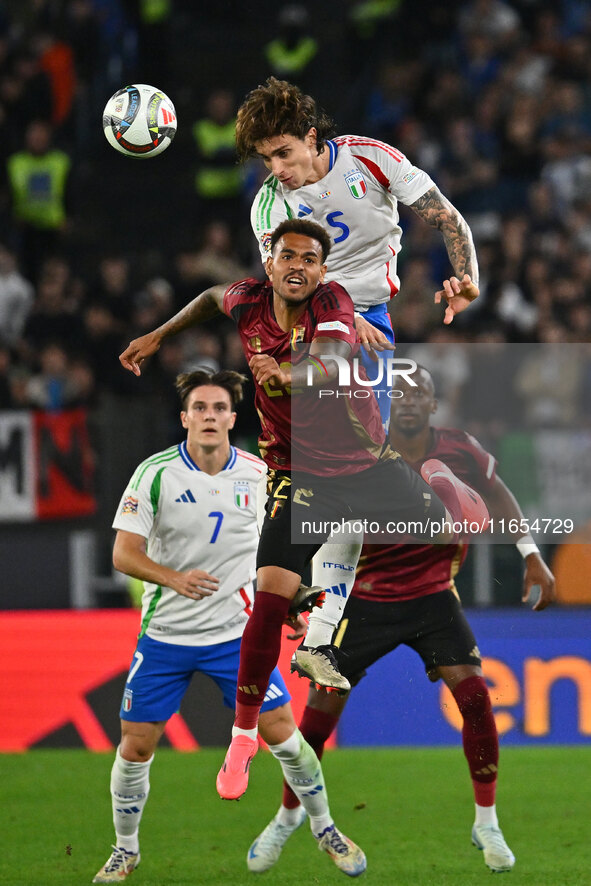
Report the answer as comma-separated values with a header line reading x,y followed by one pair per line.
x,y
160,674
379,317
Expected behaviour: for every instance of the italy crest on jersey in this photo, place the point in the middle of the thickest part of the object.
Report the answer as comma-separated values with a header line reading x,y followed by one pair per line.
x,y
356,183
241,495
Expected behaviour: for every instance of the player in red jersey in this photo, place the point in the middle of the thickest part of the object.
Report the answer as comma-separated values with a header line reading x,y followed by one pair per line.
x,y
352,185
405,594
345,470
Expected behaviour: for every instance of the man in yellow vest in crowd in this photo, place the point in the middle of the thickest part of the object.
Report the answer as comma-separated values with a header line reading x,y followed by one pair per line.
x,y
37,178
218,181
290,54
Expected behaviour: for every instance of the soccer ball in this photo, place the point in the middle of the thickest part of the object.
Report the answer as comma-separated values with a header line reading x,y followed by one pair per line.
x,y
139,121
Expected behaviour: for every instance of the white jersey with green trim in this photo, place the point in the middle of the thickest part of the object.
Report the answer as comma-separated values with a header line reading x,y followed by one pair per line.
x,y
193,520
356,202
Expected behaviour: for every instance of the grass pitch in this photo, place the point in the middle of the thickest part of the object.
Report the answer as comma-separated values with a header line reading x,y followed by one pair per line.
x,y
410,809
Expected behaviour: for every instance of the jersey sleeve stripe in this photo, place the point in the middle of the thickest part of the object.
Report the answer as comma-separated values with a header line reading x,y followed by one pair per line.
x,y
328,300
382,146
391,284
238,310
248,456
266,203
167,455
375,170
151,610
155,490
263,199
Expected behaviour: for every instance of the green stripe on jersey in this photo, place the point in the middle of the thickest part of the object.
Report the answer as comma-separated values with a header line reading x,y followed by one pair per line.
x,y
266,202
155,490
287,209
167,455
151,610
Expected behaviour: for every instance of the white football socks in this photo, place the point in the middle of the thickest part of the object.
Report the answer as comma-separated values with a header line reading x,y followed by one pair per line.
x,y
303,773
249,733
333,568
130,786
486,815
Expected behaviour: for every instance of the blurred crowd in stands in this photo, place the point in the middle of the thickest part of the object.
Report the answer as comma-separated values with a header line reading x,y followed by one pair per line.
x,y
491,97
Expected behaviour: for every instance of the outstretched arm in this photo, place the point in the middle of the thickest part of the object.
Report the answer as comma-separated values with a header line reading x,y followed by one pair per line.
x,y
502,504
205,306
461,290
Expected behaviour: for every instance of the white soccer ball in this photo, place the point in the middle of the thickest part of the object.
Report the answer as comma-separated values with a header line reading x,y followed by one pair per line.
x,y
139,121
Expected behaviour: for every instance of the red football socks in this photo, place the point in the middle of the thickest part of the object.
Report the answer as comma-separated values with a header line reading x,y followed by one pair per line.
x,y
259,653
479,737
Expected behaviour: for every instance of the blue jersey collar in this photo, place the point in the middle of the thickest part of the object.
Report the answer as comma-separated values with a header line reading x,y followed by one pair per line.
x,y
184,454
333,151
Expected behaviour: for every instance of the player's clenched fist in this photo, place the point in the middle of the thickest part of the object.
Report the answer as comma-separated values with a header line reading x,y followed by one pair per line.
x,y
266,369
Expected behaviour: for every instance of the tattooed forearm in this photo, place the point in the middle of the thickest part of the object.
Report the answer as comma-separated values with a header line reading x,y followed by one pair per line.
x,y
438,212
203,307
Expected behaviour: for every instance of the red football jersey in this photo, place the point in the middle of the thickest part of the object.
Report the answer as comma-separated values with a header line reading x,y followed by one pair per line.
x,y
406,571
330,436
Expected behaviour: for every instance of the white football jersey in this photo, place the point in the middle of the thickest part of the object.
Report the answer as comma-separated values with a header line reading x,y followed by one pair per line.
x,y
192,520
356,202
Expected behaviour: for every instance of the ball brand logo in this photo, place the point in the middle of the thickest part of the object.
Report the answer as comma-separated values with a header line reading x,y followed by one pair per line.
x,y
134,100
152,113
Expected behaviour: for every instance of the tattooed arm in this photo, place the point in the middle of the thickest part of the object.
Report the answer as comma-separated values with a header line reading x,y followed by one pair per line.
x,y
203,307
459,291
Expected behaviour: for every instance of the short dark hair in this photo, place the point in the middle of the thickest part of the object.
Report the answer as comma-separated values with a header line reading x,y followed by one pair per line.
x,y
307,228
279,108
230,381
427,372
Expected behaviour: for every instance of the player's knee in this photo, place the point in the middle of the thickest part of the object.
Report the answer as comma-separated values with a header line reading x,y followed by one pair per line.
x,y
137,748
473,698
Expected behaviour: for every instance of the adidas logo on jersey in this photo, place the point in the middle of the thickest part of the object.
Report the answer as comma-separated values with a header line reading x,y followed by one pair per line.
x,y
303,210
187,496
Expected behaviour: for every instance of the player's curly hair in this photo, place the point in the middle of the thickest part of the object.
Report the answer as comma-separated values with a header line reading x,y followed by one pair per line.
x,y
279,108
307,228
230,381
